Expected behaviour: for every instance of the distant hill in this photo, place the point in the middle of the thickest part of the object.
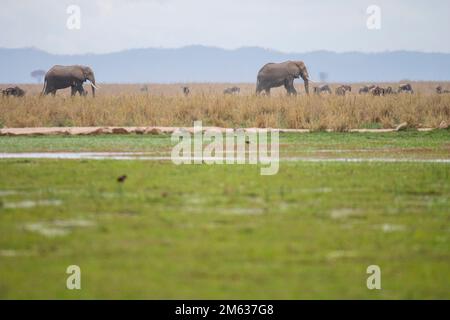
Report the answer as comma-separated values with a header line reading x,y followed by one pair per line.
x,y
208,64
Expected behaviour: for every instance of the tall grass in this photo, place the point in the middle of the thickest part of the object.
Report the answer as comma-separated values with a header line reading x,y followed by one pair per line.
x,y
126,105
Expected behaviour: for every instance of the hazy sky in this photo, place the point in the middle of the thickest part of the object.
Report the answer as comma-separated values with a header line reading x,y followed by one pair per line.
x,y
285,25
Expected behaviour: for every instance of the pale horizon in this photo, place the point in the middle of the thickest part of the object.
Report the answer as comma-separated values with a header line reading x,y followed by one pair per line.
x,y
229,49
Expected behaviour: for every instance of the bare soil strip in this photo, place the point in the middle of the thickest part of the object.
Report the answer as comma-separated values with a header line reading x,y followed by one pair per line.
x,y
152,130
146,156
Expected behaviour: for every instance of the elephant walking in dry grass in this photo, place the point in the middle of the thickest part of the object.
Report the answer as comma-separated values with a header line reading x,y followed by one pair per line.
x,y
274,75
61,77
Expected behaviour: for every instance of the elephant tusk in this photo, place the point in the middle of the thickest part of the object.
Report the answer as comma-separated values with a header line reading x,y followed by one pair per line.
x,y
95,86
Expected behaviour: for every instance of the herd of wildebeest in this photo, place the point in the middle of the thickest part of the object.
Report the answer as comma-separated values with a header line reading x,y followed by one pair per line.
x,y
271,75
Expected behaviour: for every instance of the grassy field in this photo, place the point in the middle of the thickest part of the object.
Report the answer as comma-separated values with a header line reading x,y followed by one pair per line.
x,y
164,105
225,231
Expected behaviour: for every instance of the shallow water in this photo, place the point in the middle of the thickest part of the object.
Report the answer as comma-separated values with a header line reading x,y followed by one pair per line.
x,y
25,204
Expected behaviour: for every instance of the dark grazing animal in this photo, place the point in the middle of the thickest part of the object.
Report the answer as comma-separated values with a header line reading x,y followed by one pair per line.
x,y
377,91
232,90
122,179
13,91
380,91
342,90
439,90
186,91
323,88
366,89
406,87
388,90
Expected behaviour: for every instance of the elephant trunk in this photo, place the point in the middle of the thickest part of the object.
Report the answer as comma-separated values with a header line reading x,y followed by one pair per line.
x,y
93,86
44,89
306,81
93,89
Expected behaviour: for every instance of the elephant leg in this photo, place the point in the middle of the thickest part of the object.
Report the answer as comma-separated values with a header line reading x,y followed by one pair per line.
x,y
267,90
289,85
260,87
48,89
53,92
73,90
286,86
80,90
293,91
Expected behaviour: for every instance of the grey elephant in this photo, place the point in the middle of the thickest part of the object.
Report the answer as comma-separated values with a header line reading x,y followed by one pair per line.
x,y
61,77
274,75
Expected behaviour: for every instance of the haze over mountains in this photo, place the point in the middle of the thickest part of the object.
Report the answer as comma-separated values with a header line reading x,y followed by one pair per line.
x,y
209,64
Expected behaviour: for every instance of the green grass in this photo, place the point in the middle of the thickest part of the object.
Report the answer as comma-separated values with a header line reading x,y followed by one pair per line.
x,y
225,231
433,140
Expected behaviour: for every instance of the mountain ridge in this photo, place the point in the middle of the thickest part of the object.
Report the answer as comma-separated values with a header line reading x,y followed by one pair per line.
x,y
198,63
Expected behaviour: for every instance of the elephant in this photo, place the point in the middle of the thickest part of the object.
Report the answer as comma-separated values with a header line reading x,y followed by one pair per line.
x,y
186,91
320,89
232,90
366,89
274,75
405,88
439,90
342,90
61,77
13,91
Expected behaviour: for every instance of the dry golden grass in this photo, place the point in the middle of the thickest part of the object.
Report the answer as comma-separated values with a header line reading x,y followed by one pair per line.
x,y
164,105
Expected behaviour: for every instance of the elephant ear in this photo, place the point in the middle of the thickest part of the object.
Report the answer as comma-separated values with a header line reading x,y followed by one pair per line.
x,y
86,72
79,73
293,69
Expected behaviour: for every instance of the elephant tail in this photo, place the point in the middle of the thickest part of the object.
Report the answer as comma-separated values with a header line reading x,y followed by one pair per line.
x,y
257,85
45,87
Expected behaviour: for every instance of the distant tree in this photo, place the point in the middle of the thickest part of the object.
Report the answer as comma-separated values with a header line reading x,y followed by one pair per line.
x,y
323,76
38,75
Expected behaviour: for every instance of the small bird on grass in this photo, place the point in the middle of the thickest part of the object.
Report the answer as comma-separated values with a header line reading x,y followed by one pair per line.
x,y
122,179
